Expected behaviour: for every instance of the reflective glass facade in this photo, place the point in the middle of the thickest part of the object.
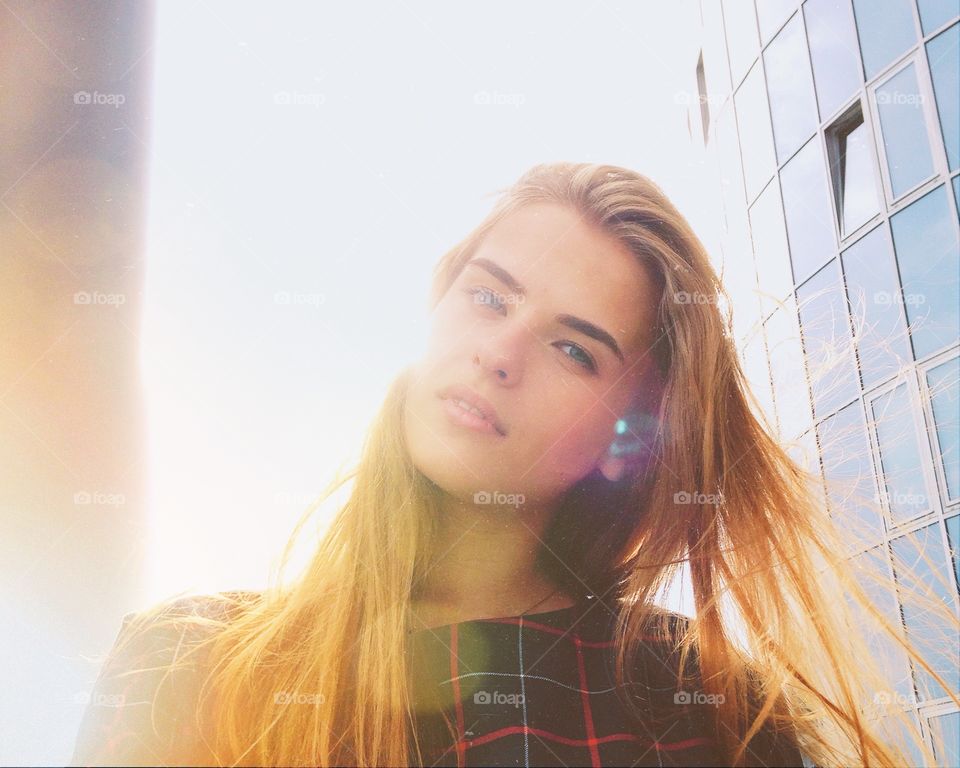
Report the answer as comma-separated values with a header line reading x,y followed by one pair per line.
x,y
835,133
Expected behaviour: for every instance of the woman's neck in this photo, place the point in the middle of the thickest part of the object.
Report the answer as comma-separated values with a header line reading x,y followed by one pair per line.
x,y
483,565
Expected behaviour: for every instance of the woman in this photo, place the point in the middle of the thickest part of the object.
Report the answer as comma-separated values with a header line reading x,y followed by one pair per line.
x,y
578,428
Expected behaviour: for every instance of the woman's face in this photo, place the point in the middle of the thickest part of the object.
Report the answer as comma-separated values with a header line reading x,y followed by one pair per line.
x,y
549,323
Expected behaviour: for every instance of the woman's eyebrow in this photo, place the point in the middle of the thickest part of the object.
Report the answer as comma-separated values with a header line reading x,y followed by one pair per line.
x,y
500,273
571,321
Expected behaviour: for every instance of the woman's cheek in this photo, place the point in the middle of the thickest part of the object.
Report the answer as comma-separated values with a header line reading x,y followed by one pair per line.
x,y
449,333
566,454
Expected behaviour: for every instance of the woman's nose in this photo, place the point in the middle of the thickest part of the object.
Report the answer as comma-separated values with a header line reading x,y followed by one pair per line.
x,y
502,356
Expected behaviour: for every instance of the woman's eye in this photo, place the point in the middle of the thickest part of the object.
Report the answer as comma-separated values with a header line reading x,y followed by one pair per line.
x,y
584,360
485,296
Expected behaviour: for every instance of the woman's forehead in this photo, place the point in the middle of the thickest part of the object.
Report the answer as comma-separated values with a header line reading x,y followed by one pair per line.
x,y
564,264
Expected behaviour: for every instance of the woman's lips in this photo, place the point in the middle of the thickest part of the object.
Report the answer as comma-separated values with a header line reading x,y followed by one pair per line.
x,y
465,418
476,403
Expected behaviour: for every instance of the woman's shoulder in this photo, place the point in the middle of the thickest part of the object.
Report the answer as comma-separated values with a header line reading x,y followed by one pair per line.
x,y
142,710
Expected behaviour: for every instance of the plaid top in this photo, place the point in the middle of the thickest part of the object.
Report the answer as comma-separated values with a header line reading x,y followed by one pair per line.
x,y
139,713
532,690
539,690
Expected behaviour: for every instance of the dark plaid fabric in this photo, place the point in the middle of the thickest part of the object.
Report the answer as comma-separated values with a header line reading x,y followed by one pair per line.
x,y
140,713
538,690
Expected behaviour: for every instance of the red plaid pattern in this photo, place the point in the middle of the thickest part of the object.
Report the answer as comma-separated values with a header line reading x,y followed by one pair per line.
x,y
535,690
540,690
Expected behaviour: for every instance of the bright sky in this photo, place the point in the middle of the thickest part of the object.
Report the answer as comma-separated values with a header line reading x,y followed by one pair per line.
x,y
328,156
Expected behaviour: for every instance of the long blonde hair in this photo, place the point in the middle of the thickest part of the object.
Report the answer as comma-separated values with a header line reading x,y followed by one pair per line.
x,y
773,635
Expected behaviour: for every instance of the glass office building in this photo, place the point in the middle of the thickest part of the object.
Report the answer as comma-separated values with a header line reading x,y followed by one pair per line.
x,y
832,130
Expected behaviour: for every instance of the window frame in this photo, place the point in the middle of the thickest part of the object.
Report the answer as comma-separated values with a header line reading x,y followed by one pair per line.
x,y
917,58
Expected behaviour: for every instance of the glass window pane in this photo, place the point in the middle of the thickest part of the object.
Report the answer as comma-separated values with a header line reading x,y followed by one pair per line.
x,y
886,651
786,370
943,53
886,30
756,141
771,14
851,163
770,248
790,86
827,342
956,194
904,131
878,319
756,370
938,642
848,471
860,200
934,14
833,51
895,734
804,451
946,738
953,535
925,240
742,44
806,206
943,383
738,272
901,467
